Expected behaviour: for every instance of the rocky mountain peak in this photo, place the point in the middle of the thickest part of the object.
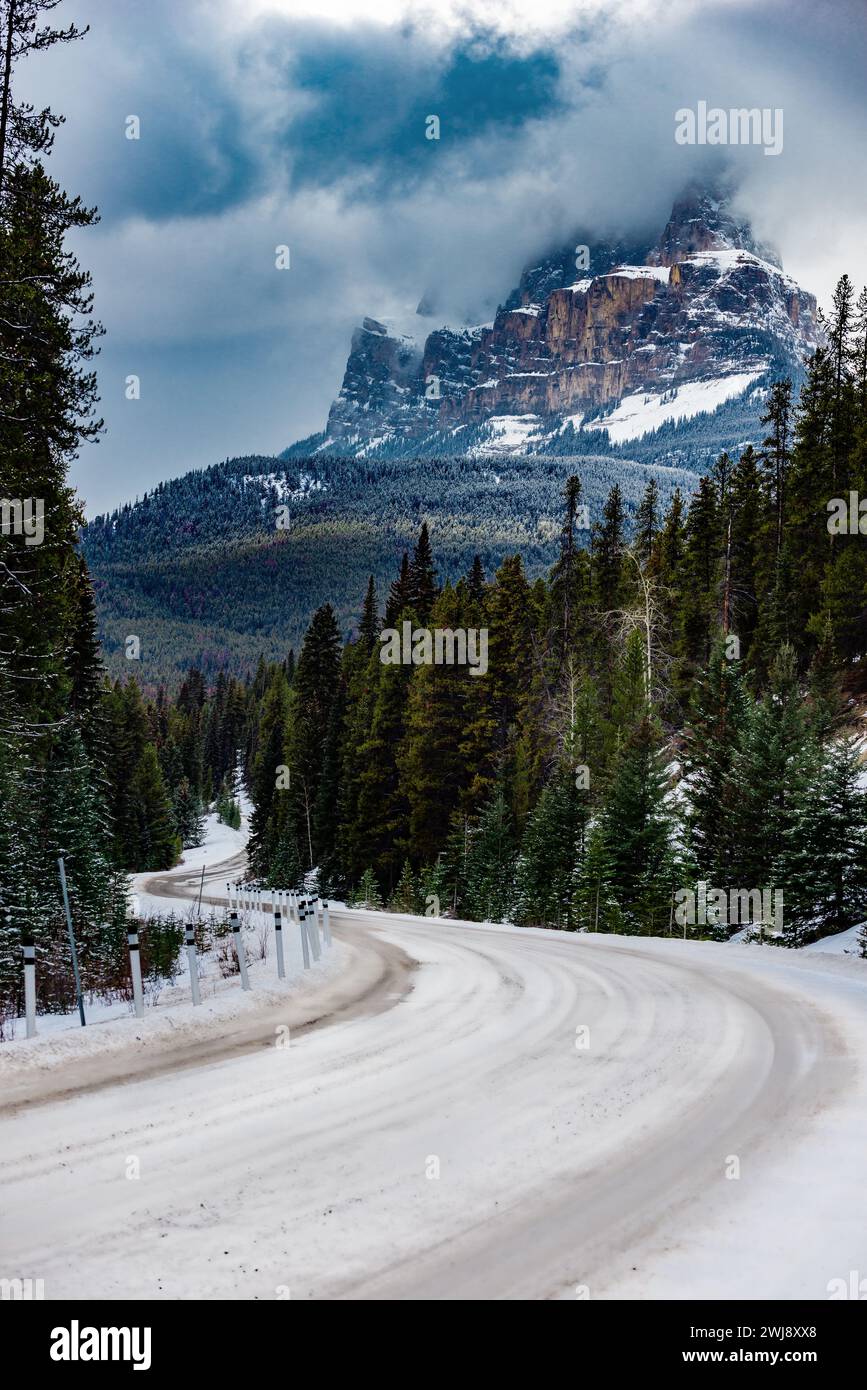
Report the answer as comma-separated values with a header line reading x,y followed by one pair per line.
x,y
701,220
687,321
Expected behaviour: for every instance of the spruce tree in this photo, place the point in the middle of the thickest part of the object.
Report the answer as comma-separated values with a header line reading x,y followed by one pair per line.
x,y
489,892
269,788
368,628
368,893
638,832
405,896
714,740
285,870
157,844
189,818
422,586
647,521
547,865
821,866
399,594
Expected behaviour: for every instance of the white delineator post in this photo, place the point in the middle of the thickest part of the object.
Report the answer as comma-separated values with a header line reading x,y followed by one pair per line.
x,y
326,924
314,930
29,950
305,948
135,970
193,963
278,938
240,950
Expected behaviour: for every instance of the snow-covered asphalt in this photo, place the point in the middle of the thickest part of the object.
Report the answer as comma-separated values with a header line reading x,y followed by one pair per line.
x,y
523,1114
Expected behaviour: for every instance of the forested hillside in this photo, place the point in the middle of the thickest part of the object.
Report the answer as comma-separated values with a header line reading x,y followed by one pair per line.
x,y
657,711
201,570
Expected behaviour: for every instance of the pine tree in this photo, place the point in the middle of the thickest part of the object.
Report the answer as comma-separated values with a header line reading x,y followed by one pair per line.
x,y
547,866
368,628
368,894
647,521
399,594
422,586
607,551
822,863
285,870
637,828
476,582
406,894
777,740
156,844
714,740
188,816
775,455
570,581
431,766
595,906
700,578
314,691
490,870
267,796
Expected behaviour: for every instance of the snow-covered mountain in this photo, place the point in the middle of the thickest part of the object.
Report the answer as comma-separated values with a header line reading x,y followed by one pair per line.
x,y
644,336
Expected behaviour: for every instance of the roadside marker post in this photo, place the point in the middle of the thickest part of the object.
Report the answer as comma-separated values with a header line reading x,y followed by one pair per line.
x,y
193,962
305,947
135,970
314,930
29,950
326,924
240,950
278,938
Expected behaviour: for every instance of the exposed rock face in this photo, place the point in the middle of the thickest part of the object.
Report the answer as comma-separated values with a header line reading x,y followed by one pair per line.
x,y
705,302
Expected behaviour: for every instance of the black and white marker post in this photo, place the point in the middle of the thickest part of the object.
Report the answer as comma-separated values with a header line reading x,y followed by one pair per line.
x,y
326,924
135,970
193,963
302,922
317,950
29,950
278,938
240,950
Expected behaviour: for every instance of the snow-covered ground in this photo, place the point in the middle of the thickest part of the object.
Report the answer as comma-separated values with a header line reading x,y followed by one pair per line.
x,y
169,1010
842,943
522,1114
644,411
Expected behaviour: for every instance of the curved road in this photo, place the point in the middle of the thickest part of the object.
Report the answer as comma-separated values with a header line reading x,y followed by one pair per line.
x,y
470,1112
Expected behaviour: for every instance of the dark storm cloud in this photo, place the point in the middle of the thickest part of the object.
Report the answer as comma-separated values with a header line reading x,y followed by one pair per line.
x,y
273,127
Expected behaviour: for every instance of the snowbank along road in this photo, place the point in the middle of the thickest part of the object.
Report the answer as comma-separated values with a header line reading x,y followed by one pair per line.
x,y
466,1112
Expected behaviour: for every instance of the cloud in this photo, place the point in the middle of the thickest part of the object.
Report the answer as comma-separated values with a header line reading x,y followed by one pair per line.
x,y
291,123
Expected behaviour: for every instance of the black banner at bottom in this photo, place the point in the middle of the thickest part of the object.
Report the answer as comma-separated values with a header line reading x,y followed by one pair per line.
x,y
82,1339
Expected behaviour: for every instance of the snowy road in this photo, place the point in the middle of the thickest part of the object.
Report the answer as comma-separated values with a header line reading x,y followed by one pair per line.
x,y
522,1115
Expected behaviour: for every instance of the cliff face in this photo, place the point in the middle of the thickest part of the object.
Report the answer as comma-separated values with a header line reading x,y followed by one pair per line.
x,y
703,304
